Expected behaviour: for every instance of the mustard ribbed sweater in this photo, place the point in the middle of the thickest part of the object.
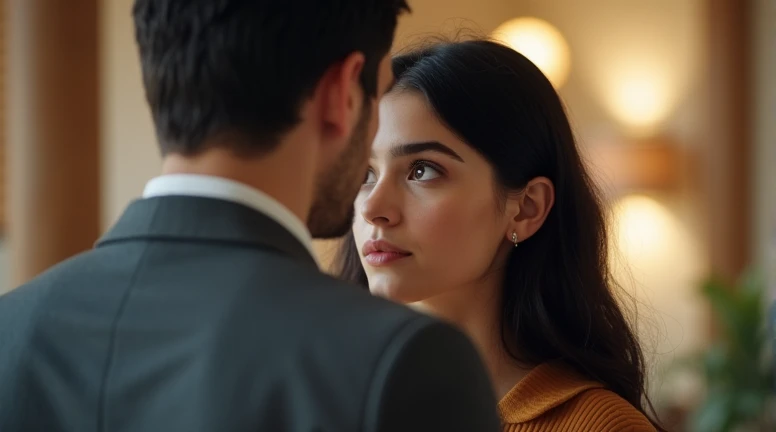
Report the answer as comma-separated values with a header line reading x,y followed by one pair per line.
x,y
554,398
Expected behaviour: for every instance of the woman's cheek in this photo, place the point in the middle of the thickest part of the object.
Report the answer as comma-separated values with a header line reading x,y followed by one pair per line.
x,y
440,227
459,236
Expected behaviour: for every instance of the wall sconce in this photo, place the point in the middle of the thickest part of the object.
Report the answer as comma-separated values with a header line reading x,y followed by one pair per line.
x,y
541,43
643,165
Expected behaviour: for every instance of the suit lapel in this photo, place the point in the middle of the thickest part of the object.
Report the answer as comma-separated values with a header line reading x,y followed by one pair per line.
x,y
197,219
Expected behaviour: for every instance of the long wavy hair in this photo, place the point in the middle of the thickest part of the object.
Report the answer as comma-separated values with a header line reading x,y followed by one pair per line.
x,y
559,295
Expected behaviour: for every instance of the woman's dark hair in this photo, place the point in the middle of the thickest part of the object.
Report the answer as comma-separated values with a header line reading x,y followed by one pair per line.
x,y
559,299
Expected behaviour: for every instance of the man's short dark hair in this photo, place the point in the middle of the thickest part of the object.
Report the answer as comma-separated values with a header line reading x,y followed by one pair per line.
x,y
240,69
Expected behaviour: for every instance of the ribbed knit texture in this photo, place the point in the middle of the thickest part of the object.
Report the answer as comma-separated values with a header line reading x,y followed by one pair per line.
x,y
552,397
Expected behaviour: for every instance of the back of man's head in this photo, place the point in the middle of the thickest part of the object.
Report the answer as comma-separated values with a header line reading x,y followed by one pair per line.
x,y
243,68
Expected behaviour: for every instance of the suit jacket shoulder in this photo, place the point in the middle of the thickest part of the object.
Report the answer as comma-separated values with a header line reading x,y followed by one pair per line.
x,y
218,321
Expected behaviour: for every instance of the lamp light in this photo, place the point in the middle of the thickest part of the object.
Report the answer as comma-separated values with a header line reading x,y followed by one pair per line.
x,y
541,43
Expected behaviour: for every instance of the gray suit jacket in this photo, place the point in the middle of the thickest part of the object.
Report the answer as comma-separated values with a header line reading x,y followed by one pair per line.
x,y
196,314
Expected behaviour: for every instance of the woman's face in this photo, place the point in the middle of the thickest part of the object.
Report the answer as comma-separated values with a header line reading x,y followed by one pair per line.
x,y
427,218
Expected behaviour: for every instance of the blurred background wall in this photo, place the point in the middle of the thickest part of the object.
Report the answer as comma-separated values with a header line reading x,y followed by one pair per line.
x,y
764,128
129,152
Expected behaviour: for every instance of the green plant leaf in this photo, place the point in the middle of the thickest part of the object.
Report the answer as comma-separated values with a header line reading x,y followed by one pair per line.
x,y
715,415
738,366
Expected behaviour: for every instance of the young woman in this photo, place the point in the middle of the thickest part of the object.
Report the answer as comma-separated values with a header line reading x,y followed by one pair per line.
x,y
478,209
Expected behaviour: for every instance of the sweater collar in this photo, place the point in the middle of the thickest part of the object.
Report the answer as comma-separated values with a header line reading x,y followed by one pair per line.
x,y
546,387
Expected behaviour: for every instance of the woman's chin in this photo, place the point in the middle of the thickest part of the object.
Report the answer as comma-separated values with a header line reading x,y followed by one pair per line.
x,y
394,293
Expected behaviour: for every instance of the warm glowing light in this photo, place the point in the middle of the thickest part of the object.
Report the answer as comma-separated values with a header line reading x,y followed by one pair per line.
x,y
541,43
640,97
655,257
642,225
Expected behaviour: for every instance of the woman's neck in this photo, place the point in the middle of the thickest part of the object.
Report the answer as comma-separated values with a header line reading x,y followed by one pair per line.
x,y
476,310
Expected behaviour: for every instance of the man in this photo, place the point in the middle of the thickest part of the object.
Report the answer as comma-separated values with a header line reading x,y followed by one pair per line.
x,y
203,309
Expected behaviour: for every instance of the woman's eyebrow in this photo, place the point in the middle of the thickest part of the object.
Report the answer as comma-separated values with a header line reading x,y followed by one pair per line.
x,y
420,147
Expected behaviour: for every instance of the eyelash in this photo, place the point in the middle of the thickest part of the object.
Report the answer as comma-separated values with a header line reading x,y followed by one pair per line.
x,y
424,163
414,165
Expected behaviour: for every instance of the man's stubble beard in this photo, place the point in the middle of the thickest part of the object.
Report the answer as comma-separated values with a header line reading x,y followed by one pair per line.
x,y
331,215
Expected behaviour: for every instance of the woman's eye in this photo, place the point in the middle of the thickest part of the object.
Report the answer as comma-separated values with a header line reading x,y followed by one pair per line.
x,y
371,178
423,171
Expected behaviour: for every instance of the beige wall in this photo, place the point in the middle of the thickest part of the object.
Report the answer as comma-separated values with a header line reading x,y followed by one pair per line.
x,y
612,39
129,155
615,43
431,17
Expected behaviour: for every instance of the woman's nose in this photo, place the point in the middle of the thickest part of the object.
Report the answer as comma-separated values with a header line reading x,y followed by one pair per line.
x,y
380,207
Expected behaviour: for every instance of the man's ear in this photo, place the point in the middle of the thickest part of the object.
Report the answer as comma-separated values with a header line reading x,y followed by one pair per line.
x,y
341,96
530,208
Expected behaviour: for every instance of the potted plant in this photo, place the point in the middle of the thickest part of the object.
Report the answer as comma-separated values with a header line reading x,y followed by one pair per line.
x,y
738,369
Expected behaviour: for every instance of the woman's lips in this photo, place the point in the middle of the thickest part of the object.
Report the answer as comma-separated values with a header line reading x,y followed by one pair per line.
x,y
378,259
381,253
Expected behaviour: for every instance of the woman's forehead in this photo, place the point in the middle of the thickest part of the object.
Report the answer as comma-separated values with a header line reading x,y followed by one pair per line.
x,y
405,117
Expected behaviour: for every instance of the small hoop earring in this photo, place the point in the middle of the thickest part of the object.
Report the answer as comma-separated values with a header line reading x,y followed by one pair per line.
x,y
514,239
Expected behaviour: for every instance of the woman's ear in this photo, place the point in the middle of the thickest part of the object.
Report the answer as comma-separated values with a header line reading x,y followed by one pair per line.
x,y
530,208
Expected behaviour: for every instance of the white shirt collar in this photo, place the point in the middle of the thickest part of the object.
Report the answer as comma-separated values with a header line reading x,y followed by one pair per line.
x,y
229,190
